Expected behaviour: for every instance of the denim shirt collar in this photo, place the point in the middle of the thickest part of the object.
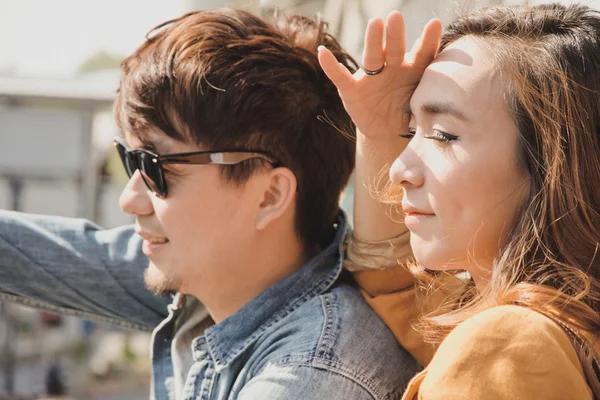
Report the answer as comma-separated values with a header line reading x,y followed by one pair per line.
x,y
232,336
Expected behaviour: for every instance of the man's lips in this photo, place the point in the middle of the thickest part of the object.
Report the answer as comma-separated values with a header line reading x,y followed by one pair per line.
x,y
152,238
152,243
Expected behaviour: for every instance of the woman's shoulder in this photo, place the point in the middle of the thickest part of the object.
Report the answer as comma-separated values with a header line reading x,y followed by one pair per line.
x,y
507,351
511,330
509,322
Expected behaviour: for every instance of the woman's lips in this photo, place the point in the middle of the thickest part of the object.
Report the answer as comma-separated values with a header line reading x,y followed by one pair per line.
x,y
415,218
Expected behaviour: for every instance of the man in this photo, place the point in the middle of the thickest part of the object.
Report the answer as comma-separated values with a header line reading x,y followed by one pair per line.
x,y
230,137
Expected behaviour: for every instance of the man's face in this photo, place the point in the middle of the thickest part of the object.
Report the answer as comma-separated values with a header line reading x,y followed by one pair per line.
x,y
197,234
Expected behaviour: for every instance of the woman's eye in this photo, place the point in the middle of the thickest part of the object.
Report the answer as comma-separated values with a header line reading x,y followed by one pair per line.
x,y
443,137
411,133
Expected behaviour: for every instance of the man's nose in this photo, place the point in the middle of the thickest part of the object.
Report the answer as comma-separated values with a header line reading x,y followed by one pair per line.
x,y
135,198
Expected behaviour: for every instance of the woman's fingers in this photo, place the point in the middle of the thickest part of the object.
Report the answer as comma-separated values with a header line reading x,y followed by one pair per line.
x,y
395,39
374,55
339,74
427,45
373,58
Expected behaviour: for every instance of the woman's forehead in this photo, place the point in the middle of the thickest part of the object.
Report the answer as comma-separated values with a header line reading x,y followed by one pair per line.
x,y
464,75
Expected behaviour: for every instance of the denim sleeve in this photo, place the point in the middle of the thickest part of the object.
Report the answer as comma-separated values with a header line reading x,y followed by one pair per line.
x,y
304,382
74,267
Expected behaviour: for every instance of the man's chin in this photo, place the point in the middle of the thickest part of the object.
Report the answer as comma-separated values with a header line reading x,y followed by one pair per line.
x,y
160,284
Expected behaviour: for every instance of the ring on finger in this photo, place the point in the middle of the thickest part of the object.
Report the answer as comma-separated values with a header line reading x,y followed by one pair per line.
x,y
373,72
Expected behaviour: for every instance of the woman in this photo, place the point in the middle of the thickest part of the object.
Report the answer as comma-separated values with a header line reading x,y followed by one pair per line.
x,y
498,178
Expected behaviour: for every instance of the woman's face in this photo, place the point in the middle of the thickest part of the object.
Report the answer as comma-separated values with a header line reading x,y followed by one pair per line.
x,y
459,174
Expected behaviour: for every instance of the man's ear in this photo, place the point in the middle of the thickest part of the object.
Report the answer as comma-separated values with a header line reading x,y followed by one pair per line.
x,y
279,194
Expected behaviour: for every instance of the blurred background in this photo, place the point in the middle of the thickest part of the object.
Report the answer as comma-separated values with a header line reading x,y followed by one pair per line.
x,y
59,63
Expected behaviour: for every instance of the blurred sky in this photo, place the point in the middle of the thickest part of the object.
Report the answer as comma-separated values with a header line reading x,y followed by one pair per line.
x,y
51,38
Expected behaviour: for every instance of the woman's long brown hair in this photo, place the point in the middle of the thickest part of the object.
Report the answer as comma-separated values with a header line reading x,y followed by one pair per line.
x,y
549,56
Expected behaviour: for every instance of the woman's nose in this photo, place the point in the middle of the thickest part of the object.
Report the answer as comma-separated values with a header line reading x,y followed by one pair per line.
x,y
407,171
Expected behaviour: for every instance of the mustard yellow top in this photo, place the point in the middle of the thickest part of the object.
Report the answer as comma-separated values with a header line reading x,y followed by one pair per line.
x,y
505,352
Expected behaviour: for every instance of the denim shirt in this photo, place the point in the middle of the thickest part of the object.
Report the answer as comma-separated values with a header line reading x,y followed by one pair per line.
x,y
309,336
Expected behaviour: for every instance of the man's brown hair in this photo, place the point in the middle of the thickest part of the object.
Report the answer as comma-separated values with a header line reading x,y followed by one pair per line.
x,y
226,79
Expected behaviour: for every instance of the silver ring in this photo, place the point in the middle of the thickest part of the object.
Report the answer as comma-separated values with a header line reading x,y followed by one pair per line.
x,y
375,72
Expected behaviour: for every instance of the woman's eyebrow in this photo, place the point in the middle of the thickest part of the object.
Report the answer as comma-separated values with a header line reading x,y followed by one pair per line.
x,y
439,108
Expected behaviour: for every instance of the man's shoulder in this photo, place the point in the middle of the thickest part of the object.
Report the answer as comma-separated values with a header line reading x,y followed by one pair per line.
x,y
338,332
355,339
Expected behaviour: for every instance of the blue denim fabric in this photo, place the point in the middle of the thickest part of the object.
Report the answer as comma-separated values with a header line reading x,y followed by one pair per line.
x,y
74,267
309,336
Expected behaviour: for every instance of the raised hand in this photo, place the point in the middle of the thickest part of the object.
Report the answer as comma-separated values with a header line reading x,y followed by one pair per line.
x,y
375,102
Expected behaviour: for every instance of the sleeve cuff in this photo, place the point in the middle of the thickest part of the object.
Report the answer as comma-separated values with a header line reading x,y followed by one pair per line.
x,y
362,255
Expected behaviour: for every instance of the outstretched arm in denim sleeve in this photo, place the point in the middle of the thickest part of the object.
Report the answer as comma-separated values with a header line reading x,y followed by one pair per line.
x,y
72,266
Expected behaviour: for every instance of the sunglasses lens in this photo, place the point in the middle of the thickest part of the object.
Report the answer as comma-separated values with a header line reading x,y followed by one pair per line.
x,y
149,169
151,174
126,160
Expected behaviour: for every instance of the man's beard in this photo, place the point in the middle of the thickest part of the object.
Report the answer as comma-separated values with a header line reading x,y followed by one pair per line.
x,y
161,285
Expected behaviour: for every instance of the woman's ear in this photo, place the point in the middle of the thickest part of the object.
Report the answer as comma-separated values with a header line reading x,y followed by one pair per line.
x,y
279,194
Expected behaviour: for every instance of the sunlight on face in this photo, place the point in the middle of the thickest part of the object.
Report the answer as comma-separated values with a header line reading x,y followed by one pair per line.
x,y
459,174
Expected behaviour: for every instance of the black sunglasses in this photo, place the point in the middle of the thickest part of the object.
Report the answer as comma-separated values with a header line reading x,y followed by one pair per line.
x,y
150,164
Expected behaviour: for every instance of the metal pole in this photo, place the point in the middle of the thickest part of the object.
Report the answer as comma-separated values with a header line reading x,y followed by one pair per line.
x,y
8,354
89,172
16,189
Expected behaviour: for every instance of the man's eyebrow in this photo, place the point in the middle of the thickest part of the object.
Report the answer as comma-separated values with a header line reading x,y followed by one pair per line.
x,y
439,108
148,145
155,146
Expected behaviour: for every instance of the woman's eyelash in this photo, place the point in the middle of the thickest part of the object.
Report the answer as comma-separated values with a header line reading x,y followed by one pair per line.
x,y
440,136
411,133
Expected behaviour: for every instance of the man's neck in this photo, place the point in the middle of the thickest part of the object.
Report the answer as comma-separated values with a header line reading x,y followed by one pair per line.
x,y
263,263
